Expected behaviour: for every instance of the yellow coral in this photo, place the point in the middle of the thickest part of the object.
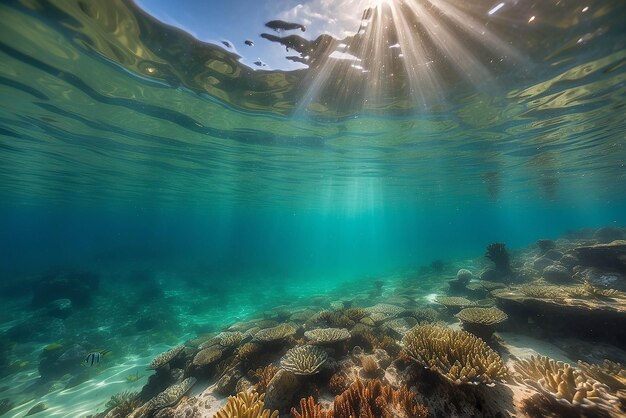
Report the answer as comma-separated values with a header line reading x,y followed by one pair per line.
x,y
457,355
245,405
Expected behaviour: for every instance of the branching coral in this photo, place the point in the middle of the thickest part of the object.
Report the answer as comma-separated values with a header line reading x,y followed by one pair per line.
x,y
122,404
564,384
304,359
543,291
338,383
263,376
609,373
372,399
597,291
245,405
327,335
457,355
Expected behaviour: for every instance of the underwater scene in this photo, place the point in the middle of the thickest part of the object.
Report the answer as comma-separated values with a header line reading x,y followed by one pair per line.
x,y
312,208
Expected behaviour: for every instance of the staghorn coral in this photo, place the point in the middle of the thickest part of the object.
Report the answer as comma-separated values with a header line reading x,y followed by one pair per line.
x,y
610,373
457,355
597,291
564,384
372,399
327,335
263,375
277,333
304,359
310,409
245,405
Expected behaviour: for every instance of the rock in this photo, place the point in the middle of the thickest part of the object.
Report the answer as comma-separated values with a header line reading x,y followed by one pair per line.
x,y
607,256
59,308
545,245
553,255
608,234
541,263
280,391
569,261
78,286
490,275
464,276
228,380
556,273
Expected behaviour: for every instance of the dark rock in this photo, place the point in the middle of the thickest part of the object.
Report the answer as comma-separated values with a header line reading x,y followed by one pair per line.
x,y
545,245
553,255
281,390
60,308
607,256
569,261
608,234
228,380
78,286
556,273
490,275
497,253
541,263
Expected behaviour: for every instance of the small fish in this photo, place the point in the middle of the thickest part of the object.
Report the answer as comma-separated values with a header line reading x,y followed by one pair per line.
x,y
94,357
249,42
227,44
259,63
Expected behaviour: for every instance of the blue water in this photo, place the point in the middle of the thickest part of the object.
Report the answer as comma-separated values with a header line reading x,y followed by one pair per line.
x,y
204,182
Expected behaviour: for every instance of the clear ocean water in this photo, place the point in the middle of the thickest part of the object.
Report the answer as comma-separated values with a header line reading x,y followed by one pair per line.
x,y
181,179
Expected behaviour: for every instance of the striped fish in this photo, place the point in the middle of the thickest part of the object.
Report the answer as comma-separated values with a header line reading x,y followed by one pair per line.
x,y
94,358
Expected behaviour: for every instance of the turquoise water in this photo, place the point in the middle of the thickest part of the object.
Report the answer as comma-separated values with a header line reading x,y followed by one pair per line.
x,y
202,189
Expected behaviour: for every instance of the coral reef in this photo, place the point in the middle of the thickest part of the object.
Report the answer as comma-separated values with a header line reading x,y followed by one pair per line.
x,y
263,376
324,336
481,321
369,399
458,355
564,384
304,359
497,253
245,405
164,358
122,404
278,333
454,303
607,256
338,383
